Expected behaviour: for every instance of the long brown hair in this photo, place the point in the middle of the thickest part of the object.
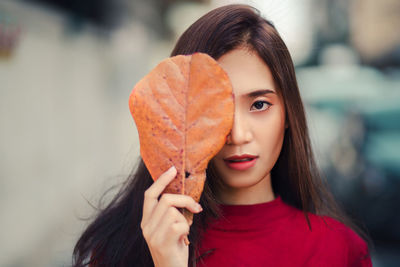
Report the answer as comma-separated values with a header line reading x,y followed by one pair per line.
x,y
115,238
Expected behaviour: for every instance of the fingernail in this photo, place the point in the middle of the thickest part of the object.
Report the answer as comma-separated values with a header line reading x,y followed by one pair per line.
x,y
198,207
172,169
186,240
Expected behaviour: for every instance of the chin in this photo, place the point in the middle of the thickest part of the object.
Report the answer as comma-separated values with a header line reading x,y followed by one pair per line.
x,y
241,181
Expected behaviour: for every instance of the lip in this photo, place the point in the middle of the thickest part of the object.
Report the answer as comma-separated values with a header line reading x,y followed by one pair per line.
x,y
241,166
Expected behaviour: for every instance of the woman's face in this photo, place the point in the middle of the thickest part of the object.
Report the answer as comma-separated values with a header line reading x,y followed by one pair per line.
x,y
259,124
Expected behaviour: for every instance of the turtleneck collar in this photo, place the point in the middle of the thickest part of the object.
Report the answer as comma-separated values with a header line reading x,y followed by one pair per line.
x,y
252,216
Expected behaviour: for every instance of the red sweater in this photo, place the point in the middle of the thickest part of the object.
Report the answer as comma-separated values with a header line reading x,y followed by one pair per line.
x,y
277,234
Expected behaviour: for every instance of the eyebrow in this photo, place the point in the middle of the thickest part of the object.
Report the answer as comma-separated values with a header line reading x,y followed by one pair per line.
x,y
259,93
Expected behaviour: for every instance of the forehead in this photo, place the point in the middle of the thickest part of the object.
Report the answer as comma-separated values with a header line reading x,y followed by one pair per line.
x,y
247,71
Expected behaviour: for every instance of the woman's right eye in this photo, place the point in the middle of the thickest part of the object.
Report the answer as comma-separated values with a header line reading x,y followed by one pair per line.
x,y
260,105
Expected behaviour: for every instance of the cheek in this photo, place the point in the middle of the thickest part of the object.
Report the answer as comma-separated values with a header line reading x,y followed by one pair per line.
x,y
269,131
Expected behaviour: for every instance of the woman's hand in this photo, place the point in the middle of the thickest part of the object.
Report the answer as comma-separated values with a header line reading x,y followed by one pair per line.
x,y
163,225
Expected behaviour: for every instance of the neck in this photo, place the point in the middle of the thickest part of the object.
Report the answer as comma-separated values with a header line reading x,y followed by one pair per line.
x,y
258,193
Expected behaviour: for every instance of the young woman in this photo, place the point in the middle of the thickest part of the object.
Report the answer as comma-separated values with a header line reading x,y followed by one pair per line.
x,y
264,203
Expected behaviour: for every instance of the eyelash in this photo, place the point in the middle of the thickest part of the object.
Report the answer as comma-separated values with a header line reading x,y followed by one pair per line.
x,y
264,102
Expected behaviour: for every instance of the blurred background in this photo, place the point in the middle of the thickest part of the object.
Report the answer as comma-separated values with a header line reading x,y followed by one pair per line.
x,y
66,135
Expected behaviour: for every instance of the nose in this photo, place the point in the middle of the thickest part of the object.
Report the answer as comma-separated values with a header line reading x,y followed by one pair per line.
x,y
240,133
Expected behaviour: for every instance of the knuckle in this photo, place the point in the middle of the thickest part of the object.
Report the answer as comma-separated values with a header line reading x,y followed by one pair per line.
x,y
175,228
147,193
172,212
185,228
179,228
166,199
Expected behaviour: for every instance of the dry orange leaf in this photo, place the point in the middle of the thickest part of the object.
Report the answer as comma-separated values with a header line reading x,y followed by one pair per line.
x,y
183,111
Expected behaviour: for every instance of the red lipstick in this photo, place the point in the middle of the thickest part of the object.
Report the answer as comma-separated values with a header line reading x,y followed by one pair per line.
x,y
241,162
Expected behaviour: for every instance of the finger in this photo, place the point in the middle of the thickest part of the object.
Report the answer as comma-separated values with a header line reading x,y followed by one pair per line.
x,y
178,201
152,193
159,185
173,226
171,200
186,240
183,233
157,235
